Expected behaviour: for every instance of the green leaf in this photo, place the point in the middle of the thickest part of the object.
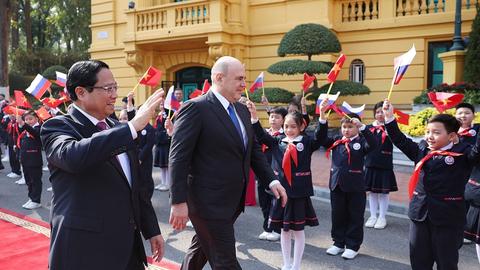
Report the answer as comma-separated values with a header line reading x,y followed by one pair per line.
x,y
298,66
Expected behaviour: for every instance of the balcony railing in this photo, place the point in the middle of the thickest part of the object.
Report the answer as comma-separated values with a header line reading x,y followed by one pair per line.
x,y
351,12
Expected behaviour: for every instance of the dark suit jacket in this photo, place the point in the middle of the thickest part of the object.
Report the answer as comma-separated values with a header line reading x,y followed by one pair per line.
x,y
30,146
95,213
441,185
209,165
349,177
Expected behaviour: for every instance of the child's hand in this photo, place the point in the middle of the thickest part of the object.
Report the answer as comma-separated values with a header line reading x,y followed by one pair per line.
x,y
264,100
253,110
357,122
169,126
388,109
323,108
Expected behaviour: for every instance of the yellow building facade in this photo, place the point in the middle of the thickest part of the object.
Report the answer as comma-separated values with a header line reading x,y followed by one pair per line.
x,y
183,39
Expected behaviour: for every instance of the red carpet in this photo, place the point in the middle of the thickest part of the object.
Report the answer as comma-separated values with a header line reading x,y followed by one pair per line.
x,y
25,241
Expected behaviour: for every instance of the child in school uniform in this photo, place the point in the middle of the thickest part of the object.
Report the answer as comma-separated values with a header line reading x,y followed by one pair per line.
x,y
30,147
347,181
162,148
11,127
379,176
291,158
276,116
436,189
465,113
298,104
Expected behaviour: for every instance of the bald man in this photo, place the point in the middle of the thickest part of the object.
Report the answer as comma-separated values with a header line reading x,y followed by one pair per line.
x,y
213,147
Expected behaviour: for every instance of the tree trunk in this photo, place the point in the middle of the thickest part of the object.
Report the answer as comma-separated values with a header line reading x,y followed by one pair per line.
x,y
4,41
28,24
15,24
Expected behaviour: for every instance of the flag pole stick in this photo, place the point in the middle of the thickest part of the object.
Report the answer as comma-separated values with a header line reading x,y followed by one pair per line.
x,y
246,93
263,90
169,113
138,83
329,88
391,85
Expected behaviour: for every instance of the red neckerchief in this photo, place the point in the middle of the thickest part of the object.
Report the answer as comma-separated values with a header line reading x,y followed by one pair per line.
x,y
19,139
158,120
466,133
379,129
276,133
412,184
336,143
290,154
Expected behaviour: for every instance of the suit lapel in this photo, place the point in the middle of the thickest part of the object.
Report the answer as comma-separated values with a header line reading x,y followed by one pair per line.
x,y
225,119
87,129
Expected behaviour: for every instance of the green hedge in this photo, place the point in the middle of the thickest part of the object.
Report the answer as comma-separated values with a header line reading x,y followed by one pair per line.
x,y
298,66
309,39
346,88
273,94
18,81
50,72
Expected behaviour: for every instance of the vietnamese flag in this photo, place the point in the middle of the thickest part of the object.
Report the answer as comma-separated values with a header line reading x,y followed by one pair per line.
x,y
64,97
206,87
332,75
13,110
43,114
195,93
52,102
21,100
151,77
401,117
444,101
307,81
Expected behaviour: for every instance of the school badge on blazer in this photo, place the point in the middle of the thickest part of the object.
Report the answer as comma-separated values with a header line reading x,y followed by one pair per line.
x,y
356,146
449,160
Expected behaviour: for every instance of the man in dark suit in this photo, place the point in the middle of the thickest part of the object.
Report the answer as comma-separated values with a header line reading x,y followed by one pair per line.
x,y
212,150
98,210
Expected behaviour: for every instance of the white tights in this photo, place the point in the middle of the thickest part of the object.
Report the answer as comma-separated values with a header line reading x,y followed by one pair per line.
x,y
298,248
378,201
165,177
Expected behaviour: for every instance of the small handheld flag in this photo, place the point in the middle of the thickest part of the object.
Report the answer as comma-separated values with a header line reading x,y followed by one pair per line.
x,y
21,100
332,75
195,93
151,77
444,101
400,65
401,117
347,108
39,86
52,102
171,103
307,81
9,109
331,100
61,79
206,87
258,83
43,114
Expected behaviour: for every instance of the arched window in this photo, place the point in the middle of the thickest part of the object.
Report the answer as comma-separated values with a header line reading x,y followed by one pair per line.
x,y
357,71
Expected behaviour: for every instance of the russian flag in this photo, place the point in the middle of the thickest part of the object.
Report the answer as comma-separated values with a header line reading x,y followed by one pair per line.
x,y
39,86
61,79
347,108
401,64
258,83
331,100
171,103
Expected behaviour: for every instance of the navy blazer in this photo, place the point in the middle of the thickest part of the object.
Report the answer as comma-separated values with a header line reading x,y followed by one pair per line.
x,y
440,190
349,177
95,212
382,156
471,139
301,174
30,146
209,164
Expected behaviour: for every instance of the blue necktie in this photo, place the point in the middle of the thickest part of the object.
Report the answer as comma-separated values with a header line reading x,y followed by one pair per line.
x,y
233,116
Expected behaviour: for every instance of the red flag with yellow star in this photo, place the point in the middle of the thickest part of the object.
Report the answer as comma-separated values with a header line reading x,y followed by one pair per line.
x,y
151,77
43,114
21,100
444,101
332,75
9,109
195,93
52,102
402,118
307,81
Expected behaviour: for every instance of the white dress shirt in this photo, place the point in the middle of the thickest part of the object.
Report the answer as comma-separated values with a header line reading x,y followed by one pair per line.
x,y
123,157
